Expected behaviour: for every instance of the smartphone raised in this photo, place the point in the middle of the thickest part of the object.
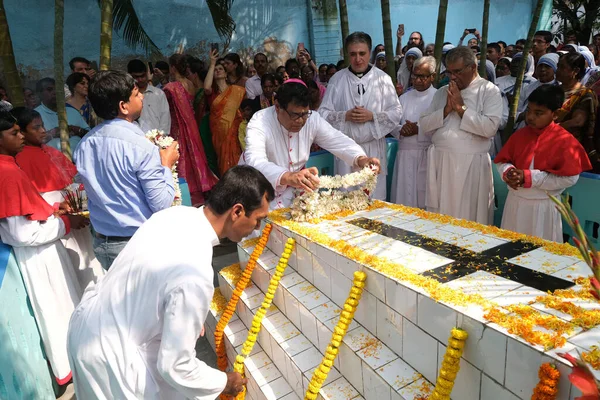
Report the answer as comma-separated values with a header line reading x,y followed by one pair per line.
x,y
214,46
301,46
472,30
150,67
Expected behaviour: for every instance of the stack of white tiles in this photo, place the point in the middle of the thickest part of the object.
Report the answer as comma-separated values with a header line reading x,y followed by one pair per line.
x,y
392,350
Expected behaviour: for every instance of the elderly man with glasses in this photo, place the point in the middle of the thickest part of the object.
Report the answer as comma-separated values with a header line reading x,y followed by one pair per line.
x,y
463,118
279,138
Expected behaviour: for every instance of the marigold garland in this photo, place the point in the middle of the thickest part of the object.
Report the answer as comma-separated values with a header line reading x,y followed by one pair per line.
x,y
547,387
450,365
346,317
240,286
248,345
592,357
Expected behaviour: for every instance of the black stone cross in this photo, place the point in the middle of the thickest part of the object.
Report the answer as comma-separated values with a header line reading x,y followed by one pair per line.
x,y
467,262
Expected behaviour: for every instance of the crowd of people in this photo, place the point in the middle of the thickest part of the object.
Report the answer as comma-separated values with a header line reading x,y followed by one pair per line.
x,y
243,134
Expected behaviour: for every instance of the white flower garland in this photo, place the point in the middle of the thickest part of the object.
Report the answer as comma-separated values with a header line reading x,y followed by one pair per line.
x,y
158,138
311,205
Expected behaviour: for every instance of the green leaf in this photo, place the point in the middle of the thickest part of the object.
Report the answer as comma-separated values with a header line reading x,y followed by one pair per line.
x,y
220,12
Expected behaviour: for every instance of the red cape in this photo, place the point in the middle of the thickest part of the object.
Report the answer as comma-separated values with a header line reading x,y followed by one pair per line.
x,y
555,150
18,196
46,167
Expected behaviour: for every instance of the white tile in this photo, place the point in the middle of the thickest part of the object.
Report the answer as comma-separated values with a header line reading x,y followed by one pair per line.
x,y
279,299
366,312
339,389
458,230
468,381
293,260
543,261
522,363
264,338
420,226
334,321
485,348
261,278
305,267
235,326
578,270
255,301
401,299
491,389
346,266
290,280
324,334
419,260
419,350
351,366
291,396
478,243
398,374
313,299
285,332
436,319
340,287
292,307
268,264
308,325
322,275
302,289
375,283
326,311
296,345
256,361
308,359
327,255
266,374
375,388
587,339
333,375
443,236
273,321
417,390
276,389
520,295
377,355
389,327
294,377
279,357
483,283
359,338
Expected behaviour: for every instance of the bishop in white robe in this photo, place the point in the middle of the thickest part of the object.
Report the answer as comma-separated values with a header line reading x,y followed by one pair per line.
x,y
374,91
459,176
410,168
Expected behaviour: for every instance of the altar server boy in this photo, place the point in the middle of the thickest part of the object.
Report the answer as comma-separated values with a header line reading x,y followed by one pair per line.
x,y
539,160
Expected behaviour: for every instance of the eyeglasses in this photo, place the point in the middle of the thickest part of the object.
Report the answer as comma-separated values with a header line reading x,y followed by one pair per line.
x,y
457,72
420,77
296,116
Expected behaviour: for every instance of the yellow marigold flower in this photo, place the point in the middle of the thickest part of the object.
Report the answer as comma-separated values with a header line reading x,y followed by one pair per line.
x,y
454,353
349,308
360,276
311,396
359,284
443,391
348,315
459,334
330,355
451,360
343,325
313,388
336,343
269,295
337,337
319,374
355,290
338,330
327,363
456,344
324,369
445,383
240,359
449,375
291,241
352,302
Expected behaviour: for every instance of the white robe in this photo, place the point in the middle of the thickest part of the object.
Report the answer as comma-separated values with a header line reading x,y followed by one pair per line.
x,y
529,210
410,169
344,92
50,281
134,333
273,150
80,247
459,175
507,85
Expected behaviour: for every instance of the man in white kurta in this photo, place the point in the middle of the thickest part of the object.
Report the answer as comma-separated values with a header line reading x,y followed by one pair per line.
x,y
463,118
133,335
279,146
410,168
361,101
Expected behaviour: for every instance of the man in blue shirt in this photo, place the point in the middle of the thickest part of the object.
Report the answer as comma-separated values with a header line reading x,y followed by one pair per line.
x,y
126,177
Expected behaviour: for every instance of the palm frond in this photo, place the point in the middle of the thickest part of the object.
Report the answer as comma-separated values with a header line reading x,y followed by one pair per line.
x,y
127,22
221,16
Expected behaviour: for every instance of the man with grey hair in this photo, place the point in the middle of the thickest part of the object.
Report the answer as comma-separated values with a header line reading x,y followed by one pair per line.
x,y
410,169
361,102
463,118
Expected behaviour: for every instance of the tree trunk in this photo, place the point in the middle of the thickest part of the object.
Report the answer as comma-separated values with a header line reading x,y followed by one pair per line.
x,y
7,55
484,38
387,39
345,27
106,29
508,130
59,77
439,37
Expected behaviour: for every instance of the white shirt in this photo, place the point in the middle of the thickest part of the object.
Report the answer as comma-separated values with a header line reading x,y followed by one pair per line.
x,y
253,87
134,333
289,151
155,113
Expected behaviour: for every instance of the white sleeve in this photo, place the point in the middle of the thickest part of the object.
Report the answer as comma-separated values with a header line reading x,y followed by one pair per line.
x,y
21,232
336,142
547,181
503,167
255,154
165,114
250,92
327,110
433,118
186,307
386,121
486,122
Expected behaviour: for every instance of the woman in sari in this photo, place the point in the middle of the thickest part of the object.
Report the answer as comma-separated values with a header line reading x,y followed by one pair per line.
x,y
578,113
235,70
78,86
225,115
192,161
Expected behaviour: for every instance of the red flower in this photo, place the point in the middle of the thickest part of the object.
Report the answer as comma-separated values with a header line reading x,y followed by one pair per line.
x,y
582,379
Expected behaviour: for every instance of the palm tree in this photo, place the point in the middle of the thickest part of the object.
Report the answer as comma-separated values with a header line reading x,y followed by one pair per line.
x,y
387,39
106,30
59,80
13,81
439,37
508,130
345,27
484,38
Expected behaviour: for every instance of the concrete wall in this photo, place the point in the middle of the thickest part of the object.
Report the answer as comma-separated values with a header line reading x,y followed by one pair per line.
x,y
272,25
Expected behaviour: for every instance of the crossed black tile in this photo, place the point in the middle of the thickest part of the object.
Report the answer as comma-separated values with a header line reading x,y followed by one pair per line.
x,y
467,262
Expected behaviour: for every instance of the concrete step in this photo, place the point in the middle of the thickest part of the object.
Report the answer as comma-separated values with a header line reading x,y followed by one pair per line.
x,y
296,336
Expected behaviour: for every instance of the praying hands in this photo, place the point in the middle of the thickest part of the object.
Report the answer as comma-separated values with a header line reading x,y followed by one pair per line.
x,y
454,102
515,178
409,129
359,115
